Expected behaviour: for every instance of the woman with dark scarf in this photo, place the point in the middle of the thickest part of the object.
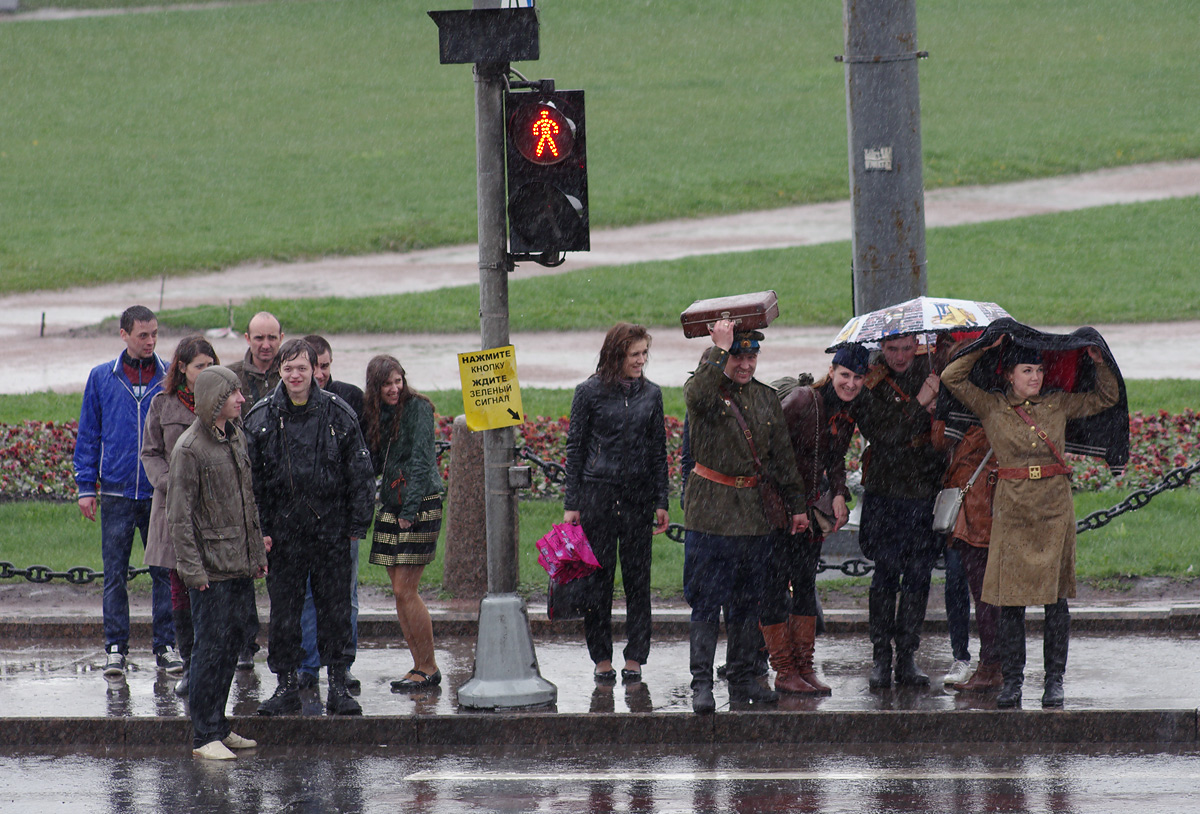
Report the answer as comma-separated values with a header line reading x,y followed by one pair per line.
x,y
171,412
398,426
617,489
1031,558
820,427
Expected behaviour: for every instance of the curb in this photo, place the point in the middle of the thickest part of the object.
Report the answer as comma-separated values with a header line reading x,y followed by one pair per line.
x,y
1160,727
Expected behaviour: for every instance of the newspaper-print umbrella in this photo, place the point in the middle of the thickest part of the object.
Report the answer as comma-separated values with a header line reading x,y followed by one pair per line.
x,y
922,315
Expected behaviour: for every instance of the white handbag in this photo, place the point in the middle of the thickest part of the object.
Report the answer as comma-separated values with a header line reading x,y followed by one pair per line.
x,y
949,501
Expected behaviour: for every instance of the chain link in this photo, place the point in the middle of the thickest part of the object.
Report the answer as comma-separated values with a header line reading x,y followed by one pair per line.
x,y
557,473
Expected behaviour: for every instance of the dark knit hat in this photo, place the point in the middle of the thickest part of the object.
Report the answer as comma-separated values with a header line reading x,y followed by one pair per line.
x,y
852,357
1016,354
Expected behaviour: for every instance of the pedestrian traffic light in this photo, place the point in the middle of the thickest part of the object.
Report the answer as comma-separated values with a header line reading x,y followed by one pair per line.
x,y
546,155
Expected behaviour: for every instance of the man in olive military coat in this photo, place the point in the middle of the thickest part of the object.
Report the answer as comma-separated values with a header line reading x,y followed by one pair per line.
x,y
727,547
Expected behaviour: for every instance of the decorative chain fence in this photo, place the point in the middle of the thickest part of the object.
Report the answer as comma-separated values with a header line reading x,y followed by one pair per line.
x,y
557,473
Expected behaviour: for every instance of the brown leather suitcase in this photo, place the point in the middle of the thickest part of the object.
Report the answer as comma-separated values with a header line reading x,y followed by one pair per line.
x,y
748,311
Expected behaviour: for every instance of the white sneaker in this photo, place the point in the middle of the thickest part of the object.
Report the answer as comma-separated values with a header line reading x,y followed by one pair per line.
x,y
960,671
169,661
114,664
214,750
235,741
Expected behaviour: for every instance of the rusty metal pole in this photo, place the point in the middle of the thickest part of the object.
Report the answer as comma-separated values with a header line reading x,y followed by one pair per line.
x,y
883,117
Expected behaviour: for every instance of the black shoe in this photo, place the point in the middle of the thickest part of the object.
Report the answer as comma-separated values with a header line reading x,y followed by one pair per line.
x,y
703,702
908,674
752,693
246,659
630,676
339,700
352,682
605,676
1010,694
306,680
427,682
881,674
181,687
1052,697
286,697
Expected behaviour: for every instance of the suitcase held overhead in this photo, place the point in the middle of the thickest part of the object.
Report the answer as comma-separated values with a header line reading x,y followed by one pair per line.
x,y
749,312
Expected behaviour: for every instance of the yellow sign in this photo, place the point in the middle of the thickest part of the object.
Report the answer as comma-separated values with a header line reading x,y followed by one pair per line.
x,y
491,394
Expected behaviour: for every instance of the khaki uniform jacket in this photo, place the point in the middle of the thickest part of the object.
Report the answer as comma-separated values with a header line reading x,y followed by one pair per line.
x,y
901,461
255,386
1031,559
717,443
165,423
211,515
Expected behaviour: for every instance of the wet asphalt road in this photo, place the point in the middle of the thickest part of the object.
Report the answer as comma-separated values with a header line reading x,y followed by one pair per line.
x,y
760,779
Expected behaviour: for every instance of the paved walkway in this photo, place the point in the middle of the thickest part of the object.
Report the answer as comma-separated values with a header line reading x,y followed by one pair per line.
x,y
60,361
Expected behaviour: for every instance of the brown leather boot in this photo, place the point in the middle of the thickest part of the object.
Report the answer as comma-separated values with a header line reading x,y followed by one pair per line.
x,y
779,645
803,633
986,678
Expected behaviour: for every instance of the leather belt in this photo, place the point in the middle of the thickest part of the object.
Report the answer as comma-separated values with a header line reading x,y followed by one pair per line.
x,y
738,482
1034,472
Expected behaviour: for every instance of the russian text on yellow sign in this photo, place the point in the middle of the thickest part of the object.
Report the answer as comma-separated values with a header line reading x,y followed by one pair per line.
x,y
491,394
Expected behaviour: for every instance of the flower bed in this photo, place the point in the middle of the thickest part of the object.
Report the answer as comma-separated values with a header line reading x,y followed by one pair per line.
x,y
35,456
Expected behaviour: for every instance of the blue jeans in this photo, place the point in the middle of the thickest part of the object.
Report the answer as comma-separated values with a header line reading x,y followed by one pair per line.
x,y
220,616
958,604
728,571
308,621
119,517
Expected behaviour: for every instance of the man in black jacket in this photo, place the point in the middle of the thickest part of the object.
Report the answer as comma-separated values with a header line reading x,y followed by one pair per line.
x,y
315,490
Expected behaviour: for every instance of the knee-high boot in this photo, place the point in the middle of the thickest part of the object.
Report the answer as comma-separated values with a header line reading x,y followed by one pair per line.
x,y
743,683
783,659
1011,633
1056,637
881,619
703,637
909,620
803,633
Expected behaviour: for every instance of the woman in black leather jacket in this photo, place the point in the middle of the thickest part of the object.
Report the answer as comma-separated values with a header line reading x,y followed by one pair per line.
x,y
617,488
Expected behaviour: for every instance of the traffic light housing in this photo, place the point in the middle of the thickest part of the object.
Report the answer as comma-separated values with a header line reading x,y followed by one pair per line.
x,y
546,160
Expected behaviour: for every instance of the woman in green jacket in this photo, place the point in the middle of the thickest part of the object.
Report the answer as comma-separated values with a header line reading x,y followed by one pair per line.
x,y
398,426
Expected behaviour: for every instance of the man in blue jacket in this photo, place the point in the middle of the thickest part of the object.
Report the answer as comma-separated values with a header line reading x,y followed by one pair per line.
x,y
108,467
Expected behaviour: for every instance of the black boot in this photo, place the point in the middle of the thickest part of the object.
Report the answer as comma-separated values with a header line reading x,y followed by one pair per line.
x,y
703,637
184,639
1011,635
339,700
881,618
286,698
1056,636
909,620
744,642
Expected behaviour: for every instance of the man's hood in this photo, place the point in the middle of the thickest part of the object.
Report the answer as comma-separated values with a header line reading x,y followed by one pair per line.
x,y
213,386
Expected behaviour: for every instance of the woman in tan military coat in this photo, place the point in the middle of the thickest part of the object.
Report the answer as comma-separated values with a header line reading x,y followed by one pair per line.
x,y
1031,560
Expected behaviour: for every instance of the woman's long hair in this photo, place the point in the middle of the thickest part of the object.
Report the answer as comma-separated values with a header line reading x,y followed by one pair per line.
x,y
379,370
616,345
185,353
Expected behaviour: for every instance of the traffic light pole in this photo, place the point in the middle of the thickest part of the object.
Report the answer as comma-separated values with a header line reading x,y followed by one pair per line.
x,y
883,116
506,670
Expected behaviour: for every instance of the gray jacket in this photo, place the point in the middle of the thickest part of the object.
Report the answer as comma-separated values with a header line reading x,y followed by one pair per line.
x,y
211,514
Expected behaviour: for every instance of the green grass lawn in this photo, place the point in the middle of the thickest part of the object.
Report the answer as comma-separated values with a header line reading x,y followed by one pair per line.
x,y
1146,395
146,144
1075,268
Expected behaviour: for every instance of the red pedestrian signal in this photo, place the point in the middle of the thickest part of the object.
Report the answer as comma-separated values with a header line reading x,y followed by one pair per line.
x,y
546,172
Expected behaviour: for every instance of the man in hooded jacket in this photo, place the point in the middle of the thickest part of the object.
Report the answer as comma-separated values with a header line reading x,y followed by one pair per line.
x,y
220,551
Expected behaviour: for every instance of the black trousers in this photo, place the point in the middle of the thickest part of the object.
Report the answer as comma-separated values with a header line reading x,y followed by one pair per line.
x,y
794,561
617,527
219,618
291,564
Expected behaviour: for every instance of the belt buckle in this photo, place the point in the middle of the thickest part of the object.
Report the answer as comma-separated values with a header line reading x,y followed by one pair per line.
x,y
739,482
1035,473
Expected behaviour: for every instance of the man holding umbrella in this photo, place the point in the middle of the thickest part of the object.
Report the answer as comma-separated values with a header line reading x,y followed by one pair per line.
x,y
902,473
